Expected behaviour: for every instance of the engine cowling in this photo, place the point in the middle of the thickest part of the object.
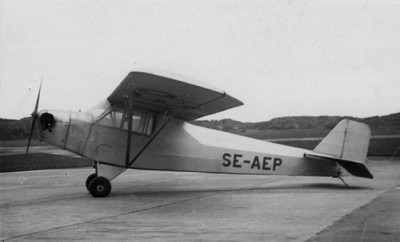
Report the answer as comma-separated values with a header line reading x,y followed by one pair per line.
x,y
46,121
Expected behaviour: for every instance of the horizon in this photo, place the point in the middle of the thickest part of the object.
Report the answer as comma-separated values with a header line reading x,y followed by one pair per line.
x,y
202,119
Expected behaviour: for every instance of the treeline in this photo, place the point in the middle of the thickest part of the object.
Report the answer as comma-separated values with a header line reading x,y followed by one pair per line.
x,y
389,124
11,129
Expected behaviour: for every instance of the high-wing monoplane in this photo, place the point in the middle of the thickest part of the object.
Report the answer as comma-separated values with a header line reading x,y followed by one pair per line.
x,y
144,124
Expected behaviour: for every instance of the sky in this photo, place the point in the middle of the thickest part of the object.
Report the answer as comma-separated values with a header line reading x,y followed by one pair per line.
x,y
281,58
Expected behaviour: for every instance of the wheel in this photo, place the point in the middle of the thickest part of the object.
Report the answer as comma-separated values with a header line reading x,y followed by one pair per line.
x,y
89,179
100,187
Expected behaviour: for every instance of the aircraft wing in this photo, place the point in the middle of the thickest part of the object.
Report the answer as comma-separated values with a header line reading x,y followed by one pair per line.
x,y
159,94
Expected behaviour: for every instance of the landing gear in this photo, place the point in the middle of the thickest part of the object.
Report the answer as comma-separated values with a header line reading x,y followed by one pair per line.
x,y
89,179
99,186
98,183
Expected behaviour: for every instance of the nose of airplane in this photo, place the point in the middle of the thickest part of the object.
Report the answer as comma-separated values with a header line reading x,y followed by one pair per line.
x,y
53,126
46,121
52,119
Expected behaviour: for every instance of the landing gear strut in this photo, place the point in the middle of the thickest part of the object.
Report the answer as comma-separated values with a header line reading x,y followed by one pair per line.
x,y
98,186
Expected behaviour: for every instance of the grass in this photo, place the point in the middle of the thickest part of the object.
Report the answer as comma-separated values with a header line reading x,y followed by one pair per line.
x,y
384,147
20,143
11,163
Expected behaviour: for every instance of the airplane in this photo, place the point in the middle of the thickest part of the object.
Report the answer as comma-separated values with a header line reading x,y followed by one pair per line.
x,y
144,124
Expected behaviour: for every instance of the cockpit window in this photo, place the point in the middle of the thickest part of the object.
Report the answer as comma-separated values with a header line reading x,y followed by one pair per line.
x,y
117,117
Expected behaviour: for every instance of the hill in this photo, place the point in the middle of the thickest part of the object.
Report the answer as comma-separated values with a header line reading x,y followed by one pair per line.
x,y
317,126
386,129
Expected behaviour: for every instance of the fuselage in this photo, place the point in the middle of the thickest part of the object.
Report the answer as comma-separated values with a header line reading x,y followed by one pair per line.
x,y
101,135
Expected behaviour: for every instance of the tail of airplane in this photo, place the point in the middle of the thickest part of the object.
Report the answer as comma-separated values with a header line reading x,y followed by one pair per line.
x,y
347,144
349,140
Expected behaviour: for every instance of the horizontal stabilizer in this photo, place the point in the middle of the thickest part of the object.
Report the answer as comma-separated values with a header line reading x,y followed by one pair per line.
x,y
353,167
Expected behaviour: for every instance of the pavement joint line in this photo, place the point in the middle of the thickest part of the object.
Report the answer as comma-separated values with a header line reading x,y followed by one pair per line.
x,y
214,193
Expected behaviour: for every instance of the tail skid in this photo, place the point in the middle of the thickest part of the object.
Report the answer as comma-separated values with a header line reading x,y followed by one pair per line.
x,y
344,182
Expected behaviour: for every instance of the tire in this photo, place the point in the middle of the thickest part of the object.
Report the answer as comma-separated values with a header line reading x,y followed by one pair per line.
x,y
100,187
89,179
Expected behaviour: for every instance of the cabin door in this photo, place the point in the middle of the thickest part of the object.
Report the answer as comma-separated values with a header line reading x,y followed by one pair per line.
x,y
109,136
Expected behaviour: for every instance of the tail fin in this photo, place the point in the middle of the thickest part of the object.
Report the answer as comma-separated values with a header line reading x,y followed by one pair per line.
x,y
348,144
348,140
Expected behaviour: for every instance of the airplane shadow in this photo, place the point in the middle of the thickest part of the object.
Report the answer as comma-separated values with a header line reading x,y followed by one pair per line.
x,y
268,188
333,186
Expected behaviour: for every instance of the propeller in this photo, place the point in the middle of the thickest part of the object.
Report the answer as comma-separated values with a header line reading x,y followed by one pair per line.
x,y
34,115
